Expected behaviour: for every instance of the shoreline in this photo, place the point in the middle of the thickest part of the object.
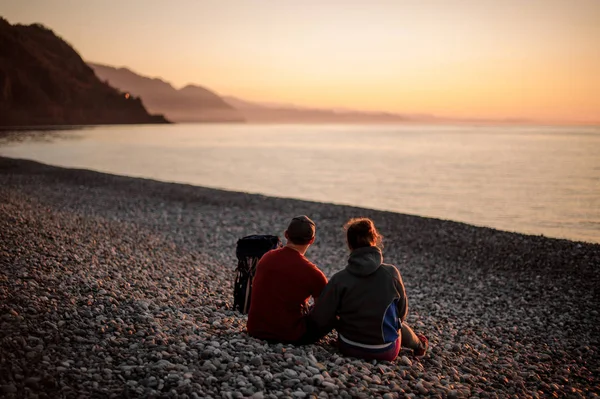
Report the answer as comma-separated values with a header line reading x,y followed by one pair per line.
x,y
113,285
525,228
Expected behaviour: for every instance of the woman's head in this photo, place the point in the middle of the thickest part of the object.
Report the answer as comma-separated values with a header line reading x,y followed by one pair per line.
x,y
361,232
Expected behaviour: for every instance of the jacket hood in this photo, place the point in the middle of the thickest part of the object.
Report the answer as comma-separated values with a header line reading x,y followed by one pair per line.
x,y
364,261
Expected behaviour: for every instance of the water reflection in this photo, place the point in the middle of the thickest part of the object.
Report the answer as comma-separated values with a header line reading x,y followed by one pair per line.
x,y
44,134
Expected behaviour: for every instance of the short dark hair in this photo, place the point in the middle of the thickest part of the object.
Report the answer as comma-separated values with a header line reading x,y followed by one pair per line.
x,y
361,232
301,230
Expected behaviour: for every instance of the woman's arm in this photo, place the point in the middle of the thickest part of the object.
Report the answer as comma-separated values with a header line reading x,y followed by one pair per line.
x,y
324,312
402,304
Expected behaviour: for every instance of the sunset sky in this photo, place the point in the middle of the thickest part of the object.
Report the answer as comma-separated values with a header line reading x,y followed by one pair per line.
x,y
535,59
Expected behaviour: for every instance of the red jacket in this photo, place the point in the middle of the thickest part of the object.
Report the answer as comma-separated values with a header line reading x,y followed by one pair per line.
x,y
283,283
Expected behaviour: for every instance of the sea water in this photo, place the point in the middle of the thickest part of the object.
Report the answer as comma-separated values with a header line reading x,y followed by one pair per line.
x,y
528,179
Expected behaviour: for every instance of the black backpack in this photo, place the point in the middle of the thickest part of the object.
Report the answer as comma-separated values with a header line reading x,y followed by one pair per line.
x,y
249,250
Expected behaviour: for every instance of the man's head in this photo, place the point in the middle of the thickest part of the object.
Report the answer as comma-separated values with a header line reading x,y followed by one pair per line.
x,y
301,231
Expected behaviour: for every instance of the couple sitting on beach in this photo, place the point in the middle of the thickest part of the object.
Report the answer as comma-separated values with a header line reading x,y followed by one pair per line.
x,y
365,302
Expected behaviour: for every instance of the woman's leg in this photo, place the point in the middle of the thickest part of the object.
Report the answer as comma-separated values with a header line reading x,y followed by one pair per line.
x,y
409,338
418,343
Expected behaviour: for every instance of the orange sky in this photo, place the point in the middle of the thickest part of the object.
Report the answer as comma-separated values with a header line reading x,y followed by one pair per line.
x,y
536,59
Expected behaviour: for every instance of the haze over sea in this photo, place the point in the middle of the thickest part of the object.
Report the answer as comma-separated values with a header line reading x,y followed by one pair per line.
x,y
533,179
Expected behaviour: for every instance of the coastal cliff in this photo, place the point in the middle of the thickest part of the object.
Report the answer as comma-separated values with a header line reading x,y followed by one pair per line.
x,y
44,81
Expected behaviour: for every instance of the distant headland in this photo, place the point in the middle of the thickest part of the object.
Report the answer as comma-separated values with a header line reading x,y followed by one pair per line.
x,y
44,81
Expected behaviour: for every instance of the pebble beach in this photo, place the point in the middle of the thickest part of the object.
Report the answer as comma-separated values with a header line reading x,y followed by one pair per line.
x,y
113,286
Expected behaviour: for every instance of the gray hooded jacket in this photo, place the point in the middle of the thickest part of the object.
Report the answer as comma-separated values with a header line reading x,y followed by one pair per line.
x,y
366,302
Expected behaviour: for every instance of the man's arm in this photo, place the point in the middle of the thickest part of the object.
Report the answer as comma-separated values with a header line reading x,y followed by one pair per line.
x,y
319,283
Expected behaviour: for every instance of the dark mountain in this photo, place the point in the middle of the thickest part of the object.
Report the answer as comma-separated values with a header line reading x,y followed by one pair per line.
x,y
43,81
255,112
190,104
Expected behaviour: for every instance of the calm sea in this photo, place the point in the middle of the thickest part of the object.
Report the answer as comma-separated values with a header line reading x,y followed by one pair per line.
x,y
535,180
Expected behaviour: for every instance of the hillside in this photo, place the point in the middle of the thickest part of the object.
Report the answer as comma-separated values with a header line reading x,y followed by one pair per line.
x,y
44,81
189,104
255,112
198,104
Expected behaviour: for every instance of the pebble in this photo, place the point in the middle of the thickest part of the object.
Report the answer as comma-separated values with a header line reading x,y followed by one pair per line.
x,y
290,373
421,388
10,388
256,361
405,361
317,379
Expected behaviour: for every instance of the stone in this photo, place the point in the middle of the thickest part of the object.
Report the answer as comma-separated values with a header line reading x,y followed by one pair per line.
x,y
290,373
9,388
256,361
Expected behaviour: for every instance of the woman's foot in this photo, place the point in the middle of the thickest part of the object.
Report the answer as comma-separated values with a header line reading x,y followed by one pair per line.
x,y
423,347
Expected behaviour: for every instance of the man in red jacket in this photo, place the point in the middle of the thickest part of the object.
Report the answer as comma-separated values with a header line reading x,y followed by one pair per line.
x,y
283,284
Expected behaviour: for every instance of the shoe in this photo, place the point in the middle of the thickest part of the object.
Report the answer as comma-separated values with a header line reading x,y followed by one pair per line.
x,y
423,347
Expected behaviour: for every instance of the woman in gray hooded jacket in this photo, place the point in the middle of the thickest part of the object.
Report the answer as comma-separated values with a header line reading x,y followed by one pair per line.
x,y
366,302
